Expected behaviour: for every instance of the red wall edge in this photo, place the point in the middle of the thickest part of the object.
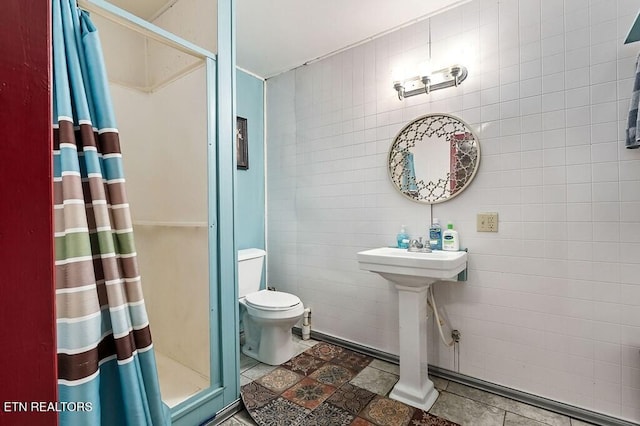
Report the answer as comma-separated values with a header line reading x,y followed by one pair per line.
x,y
27,295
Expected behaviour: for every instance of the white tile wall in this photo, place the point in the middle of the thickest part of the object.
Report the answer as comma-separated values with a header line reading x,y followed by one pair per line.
x,y
552,304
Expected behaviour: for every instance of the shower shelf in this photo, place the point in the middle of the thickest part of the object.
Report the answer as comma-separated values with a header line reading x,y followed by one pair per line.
x,y
170,224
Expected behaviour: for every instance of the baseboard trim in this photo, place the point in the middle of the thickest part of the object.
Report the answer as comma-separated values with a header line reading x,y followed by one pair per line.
x,y
527,398
349,345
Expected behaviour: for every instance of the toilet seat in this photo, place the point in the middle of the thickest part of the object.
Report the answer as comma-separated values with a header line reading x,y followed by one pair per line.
x,y
268,300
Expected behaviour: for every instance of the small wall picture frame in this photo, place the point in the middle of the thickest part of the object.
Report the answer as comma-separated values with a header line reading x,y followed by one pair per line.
x,y
242,144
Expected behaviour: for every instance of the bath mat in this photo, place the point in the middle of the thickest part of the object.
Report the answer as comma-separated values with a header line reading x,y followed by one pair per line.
x,y
313,389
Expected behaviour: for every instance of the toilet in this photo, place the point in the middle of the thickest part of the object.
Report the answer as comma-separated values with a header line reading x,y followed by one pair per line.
x,y
268,315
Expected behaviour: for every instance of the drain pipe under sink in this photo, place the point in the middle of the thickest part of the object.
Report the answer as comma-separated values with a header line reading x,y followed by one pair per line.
x,y
431,300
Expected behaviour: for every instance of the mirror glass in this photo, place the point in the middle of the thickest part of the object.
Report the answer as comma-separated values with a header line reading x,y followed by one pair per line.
x,y
434,158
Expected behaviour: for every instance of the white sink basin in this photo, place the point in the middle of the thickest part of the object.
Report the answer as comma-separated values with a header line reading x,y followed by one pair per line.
x,y
411,268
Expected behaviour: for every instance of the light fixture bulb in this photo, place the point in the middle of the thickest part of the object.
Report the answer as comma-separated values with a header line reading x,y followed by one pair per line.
x,y
424,69
397,75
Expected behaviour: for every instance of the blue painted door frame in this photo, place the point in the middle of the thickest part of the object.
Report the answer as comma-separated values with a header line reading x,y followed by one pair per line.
x,y
227,255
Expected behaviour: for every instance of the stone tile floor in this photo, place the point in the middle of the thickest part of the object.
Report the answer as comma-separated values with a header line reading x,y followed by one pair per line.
x,y
459,403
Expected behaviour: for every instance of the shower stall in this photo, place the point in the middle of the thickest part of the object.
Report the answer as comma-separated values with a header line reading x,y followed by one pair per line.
x,y
163,130
165,93
168,197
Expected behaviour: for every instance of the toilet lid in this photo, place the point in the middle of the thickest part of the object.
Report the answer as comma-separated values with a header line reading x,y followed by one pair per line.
x,y
271,300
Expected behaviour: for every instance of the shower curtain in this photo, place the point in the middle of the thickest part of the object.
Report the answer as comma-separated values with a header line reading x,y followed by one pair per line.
x,y
106,364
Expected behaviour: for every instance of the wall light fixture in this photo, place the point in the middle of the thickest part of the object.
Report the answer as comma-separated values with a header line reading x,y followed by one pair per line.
x,y
426,81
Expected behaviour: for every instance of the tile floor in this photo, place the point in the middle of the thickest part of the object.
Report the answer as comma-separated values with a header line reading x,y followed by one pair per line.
x,y
317,388
458,403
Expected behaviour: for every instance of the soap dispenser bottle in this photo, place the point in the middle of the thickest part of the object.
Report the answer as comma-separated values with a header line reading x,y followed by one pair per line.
x,y
435,235
403,238
450,239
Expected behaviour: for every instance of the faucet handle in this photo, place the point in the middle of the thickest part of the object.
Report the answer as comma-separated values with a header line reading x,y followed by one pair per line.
x,y
415,243
418,245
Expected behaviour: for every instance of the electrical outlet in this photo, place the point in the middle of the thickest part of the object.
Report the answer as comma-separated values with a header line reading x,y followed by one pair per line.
x,y
487,222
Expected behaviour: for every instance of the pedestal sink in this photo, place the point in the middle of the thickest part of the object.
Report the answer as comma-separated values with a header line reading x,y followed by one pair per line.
x,y
412,274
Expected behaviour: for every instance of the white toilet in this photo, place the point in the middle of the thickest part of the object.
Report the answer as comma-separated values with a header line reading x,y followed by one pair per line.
x,y
269,315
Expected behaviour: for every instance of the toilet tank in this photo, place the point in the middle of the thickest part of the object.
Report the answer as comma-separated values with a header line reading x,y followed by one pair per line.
x,y
250,263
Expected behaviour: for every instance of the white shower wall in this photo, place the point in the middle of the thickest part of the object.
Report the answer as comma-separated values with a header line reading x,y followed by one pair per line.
x,y
552,303
164,146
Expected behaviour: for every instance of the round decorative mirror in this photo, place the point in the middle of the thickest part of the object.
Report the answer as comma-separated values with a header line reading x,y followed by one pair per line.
x,y
434,158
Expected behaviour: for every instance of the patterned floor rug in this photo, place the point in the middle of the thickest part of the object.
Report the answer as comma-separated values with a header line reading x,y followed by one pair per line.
x,y
313,389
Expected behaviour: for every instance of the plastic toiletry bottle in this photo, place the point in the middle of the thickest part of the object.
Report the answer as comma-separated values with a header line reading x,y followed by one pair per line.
x,y
403,238
450,239
435,235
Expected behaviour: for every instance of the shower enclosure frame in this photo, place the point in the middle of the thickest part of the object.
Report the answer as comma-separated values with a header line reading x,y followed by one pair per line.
x,y
221,164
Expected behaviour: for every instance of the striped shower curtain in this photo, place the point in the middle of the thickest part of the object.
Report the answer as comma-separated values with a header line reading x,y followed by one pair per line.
x,y
106,365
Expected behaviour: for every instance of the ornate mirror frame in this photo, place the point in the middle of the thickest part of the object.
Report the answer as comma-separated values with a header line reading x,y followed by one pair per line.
x,y
464,158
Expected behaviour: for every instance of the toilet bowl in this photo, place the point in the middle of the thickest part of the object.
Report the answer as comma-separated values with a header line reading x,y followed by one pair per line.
x,y
268,319
268,315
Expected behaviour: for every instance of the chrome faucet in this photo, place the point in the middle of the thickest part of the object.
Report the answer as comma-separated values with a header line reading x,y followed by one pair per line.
x,y
416,245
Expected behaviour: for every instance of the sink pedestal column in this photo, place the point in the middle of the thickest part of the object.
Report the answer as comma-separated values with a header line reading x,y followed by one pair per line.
x,y
414,387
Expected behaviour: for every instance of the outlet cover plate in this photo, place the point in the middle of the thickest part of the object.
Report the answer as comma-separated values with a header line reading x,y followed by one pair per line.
x,y
487,222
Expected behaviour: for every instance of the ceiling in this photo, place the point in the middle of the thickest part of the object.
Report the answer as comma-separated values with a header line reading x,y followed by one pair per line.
x,y
274,36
